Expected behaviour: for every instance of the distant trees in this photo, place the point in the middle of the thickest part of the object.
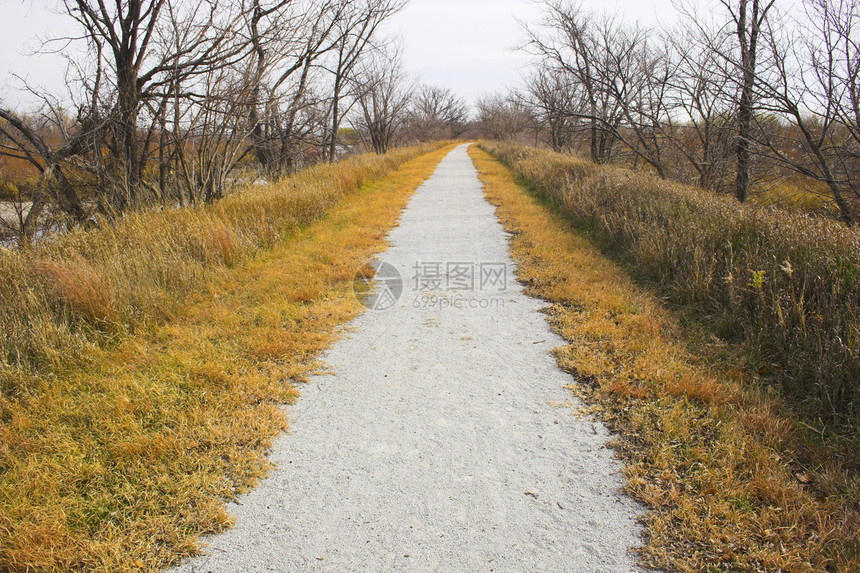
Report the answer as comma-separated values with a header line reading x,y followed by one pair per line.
x,y
502,118
711,102
436,113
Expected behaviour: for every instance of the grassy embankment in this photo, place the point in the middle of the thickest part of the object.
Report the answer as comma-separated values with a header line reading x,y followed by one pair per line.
x,y
143,365
733,475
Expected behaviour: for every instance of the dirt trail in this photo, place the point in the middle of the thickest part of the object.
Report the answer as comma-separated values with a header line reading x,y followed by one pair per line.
x,y
444,440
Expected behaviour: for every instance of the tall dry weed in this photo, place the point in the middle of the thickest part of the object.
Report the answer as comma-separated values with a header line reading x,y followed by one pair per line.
x,y
55,297
786,282
80,288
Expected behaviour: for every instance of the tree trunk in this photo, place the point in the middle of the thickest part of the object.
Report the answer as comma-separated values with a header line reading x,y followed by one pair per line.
x,y
67,197
129,102
335,121
748,43
595,144
258,135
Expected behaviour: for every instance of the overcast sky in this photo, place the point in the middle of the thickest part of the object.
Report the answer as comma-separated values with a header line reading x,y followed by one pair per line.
x,y
466,45
470,45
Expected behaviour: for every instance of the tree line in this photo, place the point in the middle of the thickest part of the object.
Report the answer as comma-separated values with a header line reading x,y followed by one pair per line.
x,y
742,96
172,102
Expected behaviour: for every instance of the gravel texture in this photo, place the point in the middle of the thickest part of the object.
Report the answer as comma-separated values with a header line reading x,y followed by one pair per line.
x,y
444,440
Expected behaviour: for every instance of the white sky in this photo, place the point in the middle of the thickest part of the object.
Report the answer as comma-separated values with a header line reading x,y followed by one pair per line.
x,y
466,45
23,22
470,45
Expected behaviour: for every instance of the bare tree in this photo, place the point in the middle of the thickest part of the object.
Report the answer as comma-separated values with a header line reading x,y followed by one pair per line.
x,y
636,74
142,59
212,135
552,98
288,39
355,32
814,85
748,18
620,76
503,117
770,90
702,103
266,25
24,138
193,88
437,113
384,95
567,43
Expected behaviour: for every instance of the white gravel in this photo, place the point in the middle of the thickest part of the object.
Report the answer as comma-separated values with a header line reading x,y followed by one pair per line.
x,y
444,440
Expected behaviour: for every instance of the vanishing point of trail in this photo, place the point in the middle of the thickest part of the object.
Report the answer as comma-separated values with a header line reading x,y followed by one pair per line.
x,y
444,439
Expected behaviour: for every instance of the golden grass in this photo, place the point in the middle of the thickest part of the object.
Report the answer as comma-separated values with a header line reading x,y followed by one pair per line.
x,y
80,287
64,295
798,195
716,461
120,459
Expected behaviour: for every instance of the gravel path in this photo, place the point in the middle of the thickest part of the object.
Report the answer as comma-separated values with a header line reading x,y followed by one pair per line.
x,y
445,440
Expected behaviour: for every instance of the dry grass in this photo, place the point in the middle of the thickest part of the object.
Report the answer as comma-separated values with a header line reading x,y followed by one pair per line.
x,y
136,409
61,297
719,463
796,194
785,283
